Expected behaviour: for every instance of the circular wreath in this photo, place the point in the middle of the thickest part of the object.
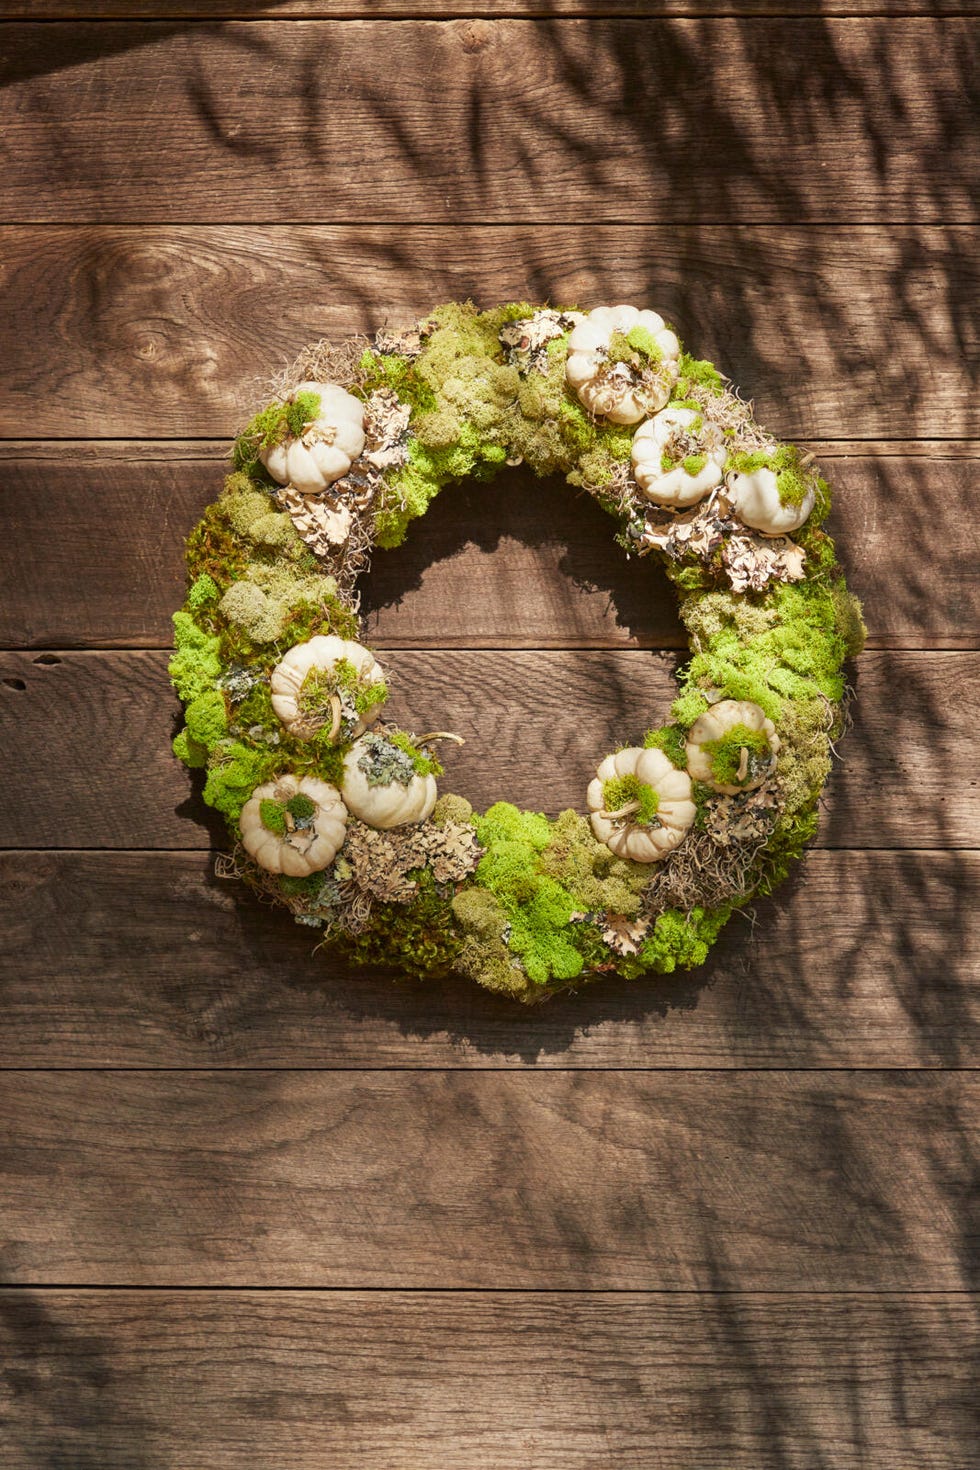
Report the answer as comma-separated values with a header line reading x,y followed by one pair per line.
x,y
334,809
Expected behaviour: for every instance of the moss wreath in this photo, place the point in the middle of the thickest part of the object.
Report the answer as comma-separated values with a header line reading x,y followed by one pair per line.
x,y
334,810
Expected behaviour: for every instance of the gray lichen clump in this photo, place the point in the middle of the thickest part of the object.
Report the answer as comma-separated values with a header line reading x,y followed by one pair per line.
x,y
518,902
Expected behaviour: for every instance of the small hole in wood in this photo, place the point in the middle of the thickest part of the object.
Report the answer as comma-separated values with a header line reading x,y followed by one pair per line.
x,y
15,684
47,658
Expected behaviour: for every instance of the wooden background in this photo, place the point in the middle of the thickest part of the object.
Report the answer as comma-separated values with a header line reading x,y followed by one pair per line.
x,y
260,1212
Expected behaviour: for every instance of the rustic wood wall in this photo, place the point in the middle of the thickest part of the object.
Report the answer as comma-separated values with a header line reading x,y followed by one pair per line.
x,y
258,1211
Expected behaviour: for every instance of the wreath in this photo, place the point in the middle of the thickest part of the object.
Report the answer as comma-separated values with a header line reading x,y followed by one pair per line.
x,y
334,810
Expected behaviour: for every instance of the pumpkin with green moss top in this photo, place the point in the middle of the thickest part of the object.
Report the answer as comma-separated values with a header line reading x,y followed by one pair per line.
x,y
328,683
682,829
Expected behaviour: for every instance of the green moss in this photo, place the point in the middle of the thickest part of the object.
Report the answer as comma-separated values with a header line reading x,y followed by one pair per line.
x,y
271,426
483,955
273,816
644,342
788,647
301,807
848,620
621,791
256,614
725,754
308,887
697,372
233,775
274,531
422,763
379,370
510,871
203,593
688,706
196,663
450,808
694,463
207,718
214,548
620,350
187,750
418,938
506,823
672,740
682,941
256,709
596,879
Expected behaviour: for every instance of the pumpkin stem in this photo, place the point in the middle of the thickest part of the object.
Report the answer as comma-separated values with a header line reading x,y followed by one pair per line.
x,y
338,715
624,811
807,459
743,764
440,735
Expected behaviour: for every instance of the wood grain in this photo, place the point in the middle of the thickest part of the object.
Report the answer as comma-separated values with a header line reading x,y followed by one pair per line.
x,y
160,332
215,1381
483,9
146,960
763,1181
531,565
804,121
908,778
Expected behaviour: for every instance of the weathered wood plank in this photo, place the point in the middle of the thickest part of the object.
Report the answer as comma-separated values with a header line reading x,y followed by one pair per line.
x,y
93,553
761,1181
153,331
145,960
908,779
794,120
483,9
214,1381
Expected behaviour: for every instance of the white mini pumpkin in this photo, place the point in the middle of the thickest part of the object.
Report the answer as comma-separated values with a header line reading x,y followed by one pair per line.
x,y
716,723
328,445
304,850
755,496
643,843
323,652
615,391
676,486
383,806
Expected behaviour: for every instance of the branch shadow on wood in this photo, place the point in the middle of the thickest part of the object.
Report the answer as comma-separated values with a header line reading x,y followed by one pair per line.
x,y
60,1402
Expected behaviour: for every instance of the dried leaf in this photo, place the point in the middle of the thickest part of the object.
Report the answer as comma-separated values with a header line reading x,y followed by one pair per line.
x,y
525,342
407,343
624,935
381,861
746,817
752,562
321,522
386,421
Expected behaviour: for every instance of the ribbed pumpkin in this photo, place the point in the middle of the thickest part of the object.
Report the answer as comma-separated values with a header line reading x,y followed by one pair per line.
x,y
324,653
623,834
328,445
717,723
687,481
304,848
394,804
756,498
617,391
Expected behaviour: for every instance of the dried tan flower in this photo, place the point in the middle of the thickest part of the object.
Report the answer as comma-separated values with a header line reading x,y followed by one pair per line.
x,y
624,935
